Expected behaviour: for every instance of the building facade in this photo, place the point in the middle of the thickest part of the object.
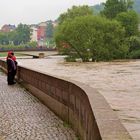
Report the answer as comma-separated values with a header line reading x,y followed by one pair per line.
x,y
8,28
34,33
41,34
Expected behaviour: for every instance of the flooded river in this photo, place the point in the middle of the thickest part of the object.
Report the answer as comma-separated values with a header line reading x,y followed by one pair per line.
x,y
118,82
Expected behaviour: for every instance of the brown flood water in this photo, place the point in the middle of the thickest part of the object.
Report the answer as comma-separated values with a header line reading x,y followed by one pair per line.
x,y
118,82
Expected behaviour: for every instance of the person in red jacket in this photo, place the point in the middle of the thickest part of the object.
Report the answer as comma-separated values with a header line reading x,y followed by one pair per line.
x,y
14,59
11,68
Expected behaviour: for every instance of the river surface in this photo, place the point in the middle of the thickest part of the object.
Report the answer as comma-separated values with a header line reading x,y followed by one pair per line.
x,y
118,82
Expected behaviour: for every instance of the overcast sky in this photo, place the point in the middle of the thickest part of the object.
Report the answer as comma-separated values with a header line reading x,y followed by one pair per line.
x,y
35,11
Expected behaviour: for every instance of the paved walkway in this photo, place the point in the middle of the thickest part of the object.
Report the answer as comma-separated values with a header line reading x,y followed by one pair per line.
x,y
23,117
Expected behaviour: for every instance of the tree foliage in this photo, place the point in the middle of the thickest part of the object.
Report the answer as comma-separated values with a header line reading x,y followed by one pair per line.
x,y
49,30
135,4
4,38
130,22
75,11
114,7
24,32
21,35
92,37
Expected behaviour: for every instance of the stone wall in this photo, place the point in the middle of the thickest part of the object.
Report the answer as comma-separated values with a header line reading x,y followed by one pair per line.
x,y
78,104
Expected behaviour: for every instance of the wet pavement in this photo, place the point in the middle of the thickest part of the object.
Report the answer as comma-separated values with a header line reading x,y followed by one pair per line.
x,y
118,82
24,117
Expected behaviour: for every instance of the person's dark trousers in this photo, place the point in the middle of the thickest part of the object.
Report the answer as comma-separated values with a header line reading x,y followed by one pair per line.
x,y
10,78
14,74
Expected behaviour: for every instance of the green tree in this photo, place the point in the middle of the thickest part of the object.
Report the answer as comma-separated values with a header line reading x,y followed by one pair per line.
x,y
4,40
130,22
24,32
49,30
114,7
134,43
75,11
13,38
92,37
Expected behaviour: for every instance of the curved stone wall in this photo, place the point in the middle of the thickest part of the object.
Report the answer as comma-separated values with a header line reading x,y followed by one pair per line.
x,y
78,104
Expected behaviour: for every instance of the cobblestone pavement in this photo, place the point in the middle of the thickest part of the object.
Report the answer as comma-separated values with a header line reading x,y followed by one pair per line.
x,y
23,117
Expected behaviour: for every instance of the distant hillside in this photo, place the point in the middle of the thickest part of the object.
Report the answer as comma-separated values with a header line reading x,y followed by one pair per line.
x,y
99,7
137,6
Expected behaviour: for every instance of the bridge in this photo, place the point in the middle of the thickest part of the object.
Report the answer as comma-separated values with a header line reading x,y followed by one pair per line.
x,y
23,116
37,54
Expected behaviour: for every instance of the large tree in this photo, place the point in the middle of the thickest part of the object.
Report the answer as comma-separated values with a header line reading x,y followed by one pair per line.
x,y
23,33
92,37
114,7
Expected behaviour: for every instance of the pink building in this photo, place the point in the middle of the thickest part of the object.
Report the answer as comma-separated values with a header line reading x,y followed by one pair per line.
x,y
41,34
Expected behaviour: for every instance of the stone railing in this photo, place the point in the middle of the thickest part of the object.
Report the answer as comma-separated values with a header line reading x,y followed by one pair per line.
x,y
78,104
